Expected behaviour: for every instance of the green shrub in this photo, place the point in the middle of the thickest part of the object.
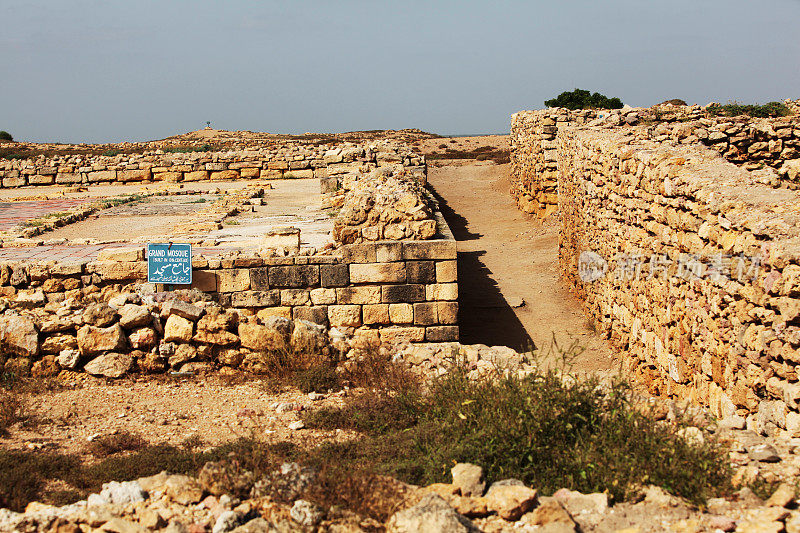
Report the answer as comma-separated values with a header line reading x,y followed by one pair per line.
x,y
548,432
321,377
5,136
111,153
583,99
118,442
733,109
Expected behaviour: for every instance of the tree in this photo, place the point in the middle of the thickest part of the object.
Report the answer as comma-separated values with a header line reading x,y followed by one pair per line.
x,y
583,99
5,136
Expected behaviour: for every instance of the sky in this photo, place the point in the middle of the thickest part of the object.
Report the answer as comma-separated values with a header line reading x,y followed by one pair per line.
x,y
110,71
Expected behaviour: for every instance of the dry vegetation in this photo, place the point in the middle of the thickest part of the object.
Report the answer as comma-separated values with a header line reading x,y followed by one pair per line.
x,y
546,430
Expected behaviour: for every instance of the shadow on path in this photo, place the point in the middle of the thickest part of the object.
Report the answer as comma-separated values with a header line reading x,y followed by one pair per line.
x,y
484,316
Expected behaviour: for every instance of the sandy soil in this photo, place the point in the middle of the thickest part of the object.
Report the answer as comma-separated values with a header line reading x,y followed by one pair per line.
x,y
507,259
165,409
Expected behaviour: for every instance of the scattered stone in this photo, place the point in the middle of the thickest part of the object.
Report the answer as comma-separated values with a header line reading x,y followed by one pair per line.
x,y
468,478
763,453
431,515
510,502
110,365
306,513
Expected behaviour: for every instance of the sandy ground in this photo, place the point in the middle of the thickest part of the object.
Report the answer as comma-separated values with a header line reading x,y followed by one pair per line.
x,y
287,203
165,409
507,259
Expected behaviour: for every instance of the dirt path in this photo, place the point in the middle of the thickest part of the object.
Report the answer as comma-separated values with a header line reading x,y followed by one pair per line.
x,y
505,258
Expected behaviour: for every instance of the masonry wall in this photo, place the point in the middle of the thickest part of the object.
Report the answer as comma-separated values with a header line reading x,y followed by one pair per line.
x,y
768,146
690,264
285,161
76,316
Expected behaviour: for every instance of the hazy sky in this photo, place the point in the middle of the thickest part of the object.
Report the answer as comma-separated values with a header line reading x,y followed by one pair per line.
x,y
108,70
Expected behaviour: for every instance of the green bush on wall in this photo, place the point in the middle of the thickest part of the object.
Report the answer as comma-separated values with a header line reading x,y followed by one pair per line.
x,y
5,136
583,99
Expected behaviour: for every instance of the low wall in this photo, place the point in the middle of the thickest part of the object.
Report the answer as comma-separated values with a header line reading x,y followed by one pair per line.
x,y
57,315
688,263
298,160
770,145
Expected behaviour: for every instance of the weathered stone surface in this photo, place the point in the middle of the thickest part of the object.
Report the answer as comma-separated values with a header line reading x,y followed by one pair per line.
x,y
511,501
100,315
344,315
378,273
308,337
18,336
134,316
468,478
270,337
182,309
110,365
57,343
93,340
178,329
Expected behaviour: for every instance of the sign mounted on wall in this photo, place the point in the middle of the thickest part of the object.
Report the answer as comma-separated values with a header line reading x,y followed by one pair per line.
x,y
169,263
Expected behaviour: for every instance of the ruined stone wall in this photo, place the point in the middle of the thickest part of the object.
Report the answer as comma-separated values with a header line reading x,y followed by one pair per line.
x,y
771,146
689,263
297,160
91,315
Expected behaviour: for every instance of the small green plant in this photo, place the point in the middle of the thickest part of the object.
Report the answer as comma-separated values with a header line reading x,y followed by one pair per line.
x,y
318,378
188,149
198,201
118,442
545,429
112,153
11,409
583,99
232,222
5,136
733,109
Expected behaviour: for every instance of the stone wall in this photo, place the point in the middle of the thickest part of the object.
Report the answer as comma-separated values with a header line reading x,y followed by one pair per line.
x,y
690,264
58,315
769,145
291,160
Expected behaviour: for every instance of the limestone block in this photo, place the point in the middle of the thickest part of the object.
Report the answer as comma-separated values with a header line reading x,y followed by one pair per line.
x,y
121,254
294,276
224,175
196,175
133,175
118,271
256,298
102,175
447,312
204,280
323,296
93,340
290,297
334,275
378,273
178,329
365,294
446,271
426,314
233,280
402,313
376,314
318,314
441,334
402,293
440,250
344,315
421,272
272,312
397,334
441,291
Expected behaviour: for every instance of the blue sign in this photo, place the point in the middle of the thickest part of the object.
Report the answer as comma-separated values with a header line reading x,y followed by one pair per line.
x,y
169,263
